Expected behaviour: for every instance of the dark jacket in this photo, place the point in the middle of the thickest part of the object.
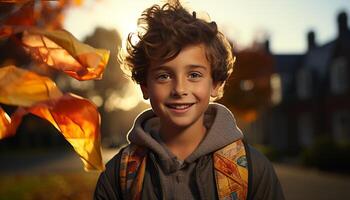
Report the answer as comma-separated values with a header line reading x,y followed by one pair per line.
x,y
167,177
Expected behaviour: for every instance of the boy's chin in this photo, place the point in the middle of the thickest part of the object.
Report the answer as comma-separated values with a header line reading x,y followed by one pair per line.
x,y
179,123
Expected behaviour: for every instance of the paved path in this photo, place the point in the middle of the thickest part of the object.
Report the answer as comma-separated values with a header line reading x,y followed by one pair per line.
x,y
310,184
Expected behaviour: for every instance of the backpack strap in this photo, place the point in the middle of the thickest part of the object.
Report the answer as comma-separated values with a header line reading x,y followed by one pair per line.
x,y
231,171
132,171
250,170
230,168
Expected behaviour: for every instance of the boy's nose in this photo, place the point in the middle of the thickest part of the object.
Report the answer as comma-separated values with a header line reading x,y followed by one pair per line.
x,y
179,88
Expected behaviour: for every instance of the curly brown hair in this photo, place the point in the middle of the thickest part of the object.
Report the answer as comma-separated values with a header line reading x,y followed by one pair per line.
x,y
165,31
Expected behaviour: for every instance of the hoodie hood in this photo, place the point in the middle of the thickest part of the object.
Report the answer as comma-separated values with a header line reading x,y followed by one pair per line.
x,y
221,131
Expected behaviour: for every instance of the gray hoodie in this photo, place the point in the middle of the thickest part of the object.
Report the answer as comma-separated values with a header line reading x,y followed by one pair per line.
x,y
167,177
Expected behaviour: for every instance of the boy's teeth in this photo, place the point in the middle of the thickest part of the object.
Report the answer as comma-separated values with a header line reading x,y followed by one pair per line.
x,y
182,106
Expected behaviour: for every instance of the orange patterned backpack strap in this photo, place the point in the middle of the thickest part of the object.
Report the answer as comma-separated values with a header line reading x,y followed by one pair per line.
x,y
132,171
231,172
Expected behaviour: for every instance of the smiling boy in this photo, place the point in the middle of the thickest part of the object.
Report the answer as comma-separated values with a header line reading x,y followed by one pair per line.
x,y
179,91
184,147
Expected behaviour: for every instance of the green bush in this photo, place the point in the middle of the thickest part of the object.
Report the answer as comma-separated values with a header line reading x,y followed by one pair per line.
x,y
328,155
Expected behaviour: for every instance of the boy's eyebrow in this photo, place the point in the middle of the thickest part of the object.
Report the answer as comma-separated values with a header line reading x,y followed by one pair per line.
x,y
197,66
160,67
165,67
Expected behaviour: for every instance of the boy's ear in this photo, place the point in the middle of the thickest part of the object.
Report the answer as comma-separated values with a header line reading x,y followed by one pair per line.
x,y
144,92
215,89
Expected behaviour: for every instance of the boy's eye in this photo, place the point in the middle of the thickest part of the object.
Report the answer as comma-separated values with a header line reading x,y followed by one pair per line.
x,y
163,77
194,75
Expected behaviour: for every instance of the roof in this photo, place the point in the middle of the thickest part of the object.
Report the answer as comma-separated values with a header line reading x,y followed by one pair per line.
x,y
319,58
287,63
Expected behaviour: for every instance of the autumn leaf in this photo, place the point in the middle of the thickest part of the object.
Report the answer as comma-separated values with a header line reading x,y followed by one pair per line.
x,y
80,125
42,13
16,1
24,88
18,13
6,31
8,126
5,122
75,117
61,50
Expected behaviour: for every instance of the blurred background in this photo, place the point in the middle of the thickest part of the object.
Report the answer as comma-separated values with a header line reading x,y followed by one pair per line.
x,y
290,92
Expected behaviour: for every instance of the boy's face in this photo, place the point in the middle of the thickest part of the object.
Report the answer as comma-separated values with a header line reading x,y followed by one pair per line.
x,y
180,90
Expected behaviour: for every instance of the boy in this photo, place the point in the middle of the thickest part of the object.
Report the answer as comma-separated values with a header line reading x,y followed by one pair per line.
x,y
184,147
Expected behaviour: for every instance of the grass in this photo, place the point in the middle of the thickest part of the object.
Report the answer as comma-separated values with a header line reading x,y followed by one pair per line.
x,y
67,185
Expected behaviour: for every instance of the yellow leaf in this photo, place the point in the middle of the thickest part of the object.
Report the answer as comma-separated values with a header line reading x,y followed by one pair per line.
x,y
21,87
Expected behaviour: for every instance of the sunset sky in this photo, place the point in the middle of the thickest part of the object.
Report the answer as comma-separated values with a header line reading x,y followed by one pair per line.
x,y
285,22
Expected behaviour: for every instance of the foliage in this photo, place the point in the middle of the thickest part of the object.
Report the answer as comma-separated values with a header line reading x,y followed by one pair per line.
x,y
37,94
255,66
248,90
326,154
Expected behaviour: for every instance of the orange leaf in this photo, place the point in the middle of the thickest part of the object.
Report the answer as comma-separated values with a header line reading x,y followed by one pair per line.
x,y
16,1
5,122
80,125
7,30
8,126
23,15
76,118
24,88
61,50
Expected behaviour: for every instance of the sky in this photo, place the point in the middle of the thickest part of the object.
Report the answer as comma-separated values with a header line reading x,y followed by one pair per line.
x,y
285,23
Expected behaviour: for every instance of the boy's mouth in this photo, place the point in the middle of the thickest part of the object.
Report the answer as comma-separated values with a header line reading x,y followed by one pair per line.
x,y
179,106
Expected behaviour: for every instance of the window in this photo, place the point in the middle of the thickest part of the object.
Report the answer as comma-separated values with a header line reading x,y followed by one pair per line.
x,y
276,89
339,82
305,129
341,126
304,83
246,85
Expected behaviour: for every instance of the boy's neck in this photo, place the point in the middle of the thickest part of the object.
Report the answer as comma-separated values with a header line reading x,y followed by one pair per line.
x,y
183,141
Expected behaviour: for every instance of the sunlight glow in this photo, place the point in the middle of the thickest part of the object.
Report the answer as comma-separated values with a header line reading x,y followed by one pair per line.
x,y
97,99
126,100
81,85
242,21
282,22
